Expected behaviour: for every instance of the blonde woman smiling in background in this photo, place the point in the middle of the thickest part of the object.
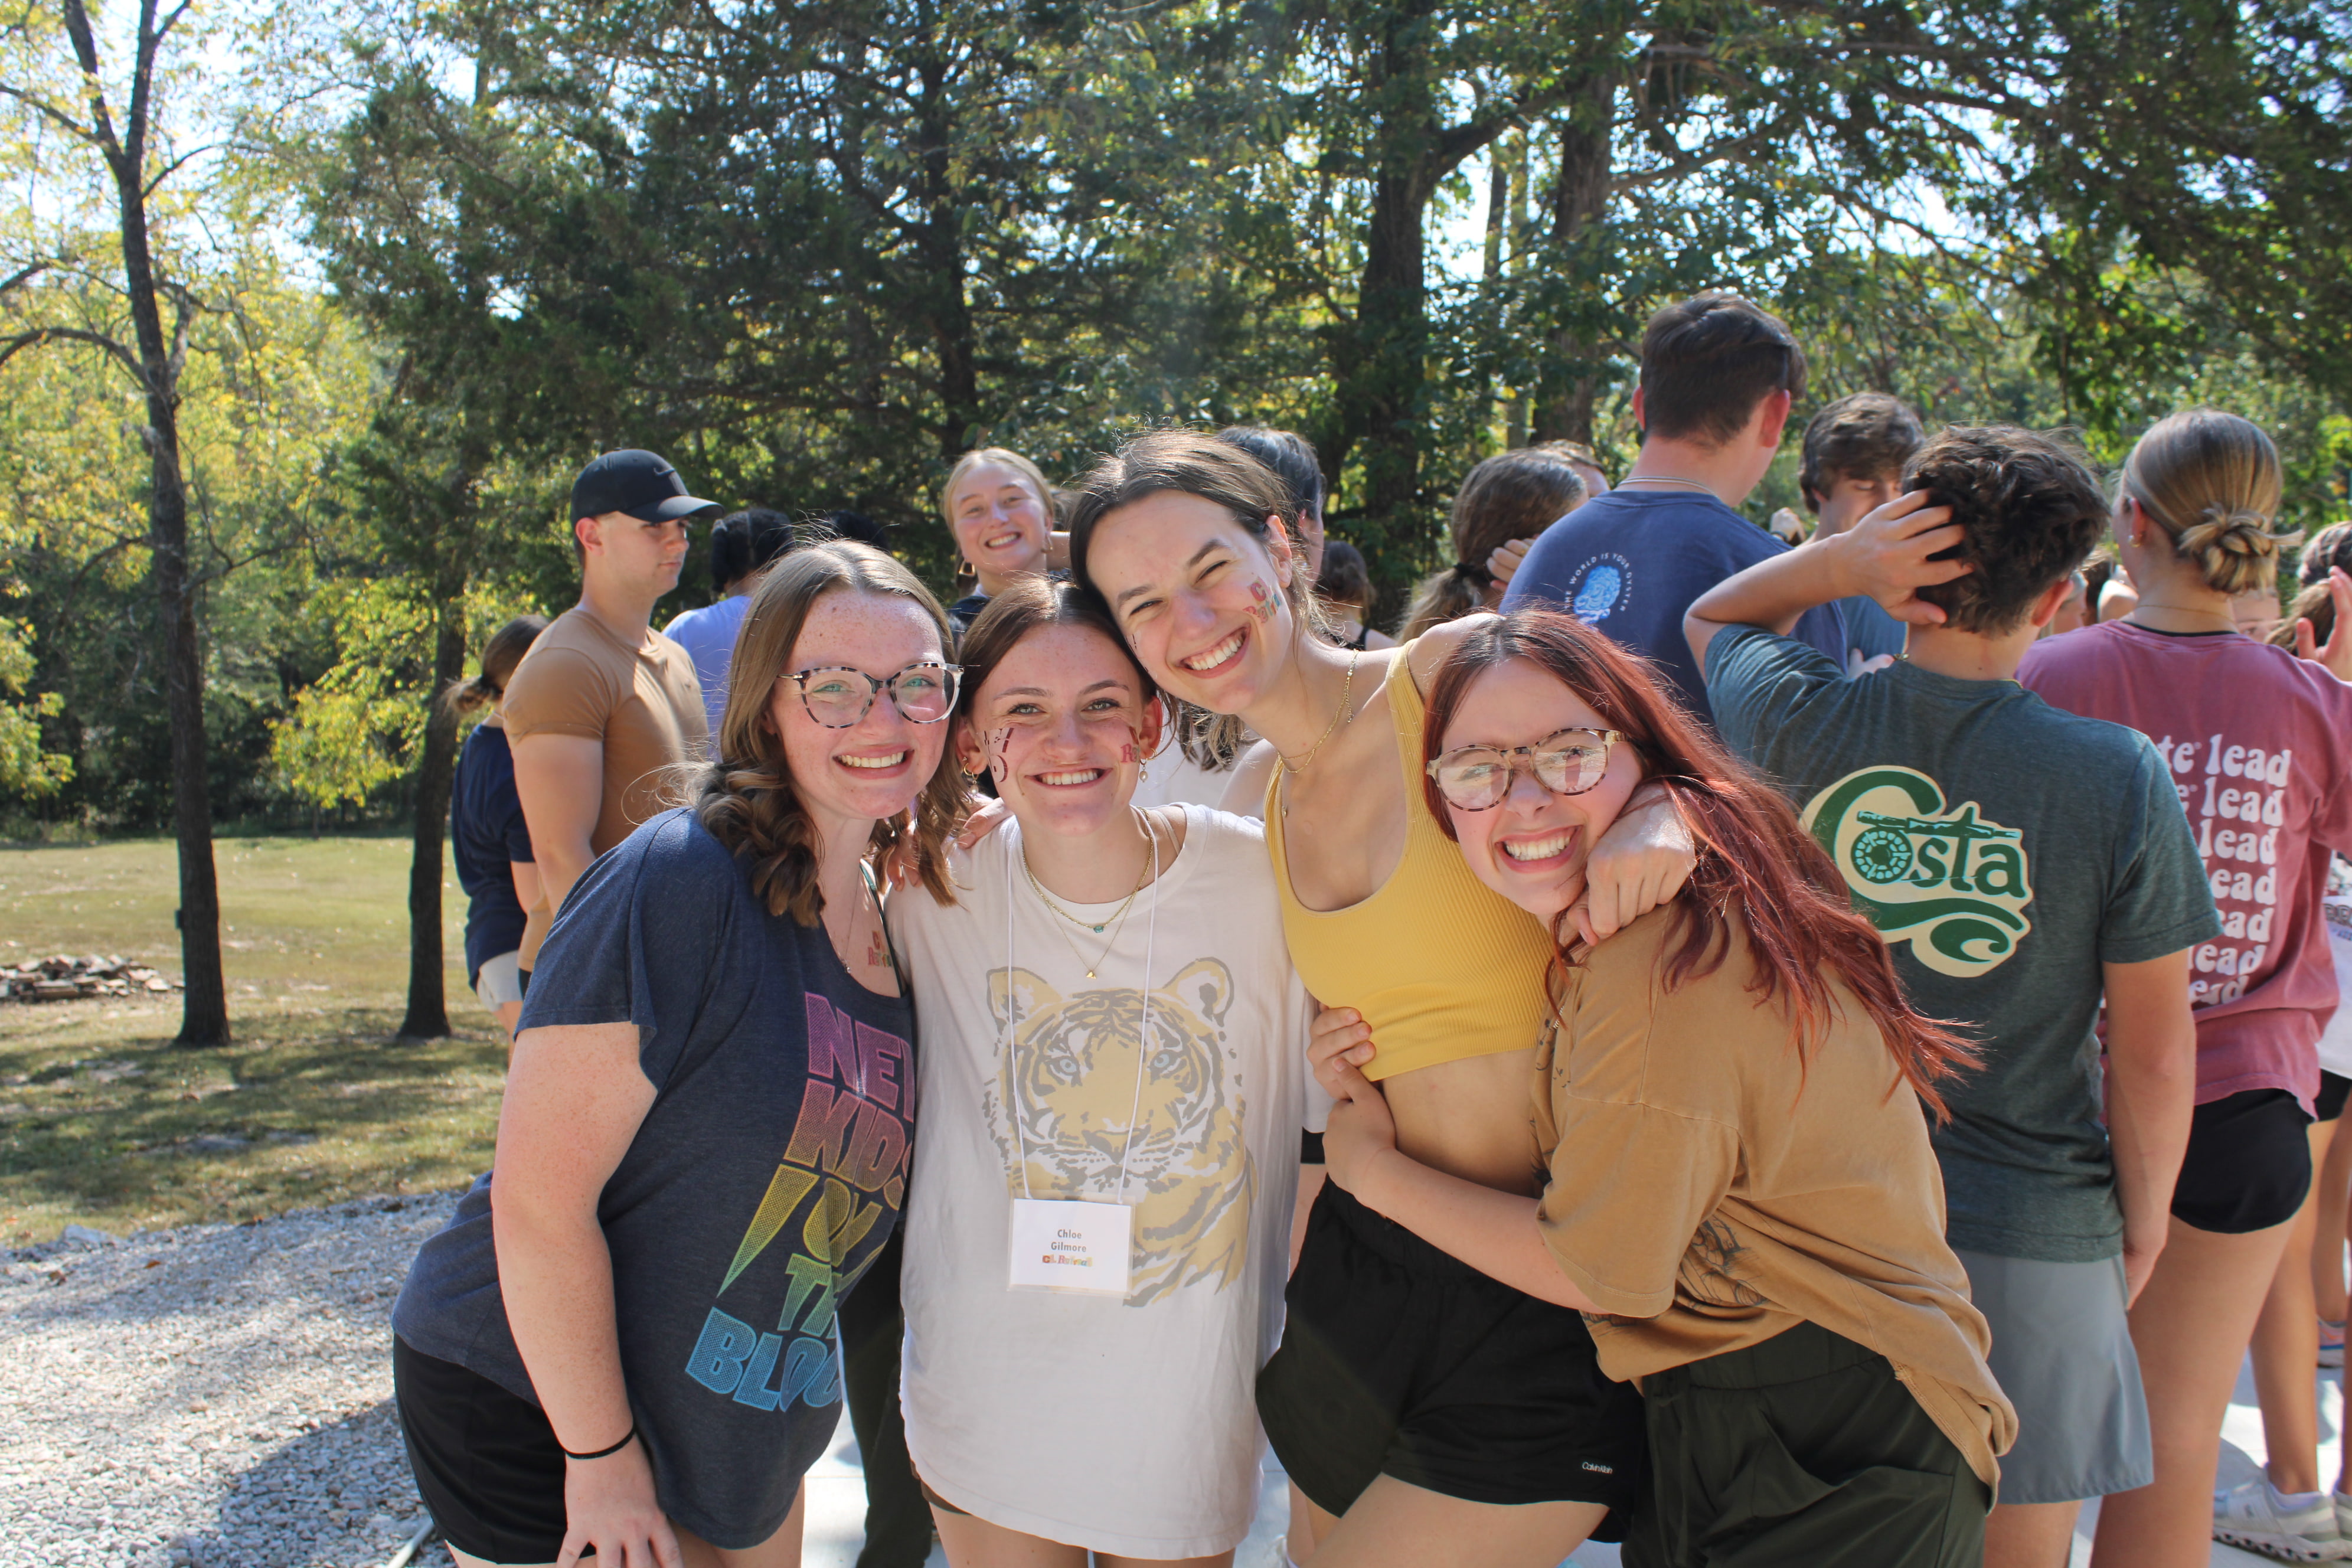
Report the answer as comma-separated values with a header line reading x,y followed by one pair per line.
x,y
1000,507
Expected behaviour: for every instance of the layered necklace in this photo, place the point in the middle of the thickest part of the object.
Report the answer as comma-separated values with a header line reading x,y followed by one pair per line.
x,y
1342,715
1116,920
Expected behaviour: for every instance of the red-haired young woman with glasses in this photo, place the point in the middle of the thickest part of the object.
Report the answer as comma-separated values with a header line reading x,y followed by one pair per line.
x,y
1732,1111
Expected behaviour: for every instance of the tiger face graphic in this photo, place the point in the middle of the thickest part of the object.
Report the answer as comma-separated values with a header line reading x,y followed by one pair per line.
x,y
1188,1172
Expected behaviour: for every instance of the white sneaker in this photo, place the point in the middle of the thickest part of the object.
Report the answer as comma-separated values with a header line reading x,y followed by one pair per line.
x,y
2255,1517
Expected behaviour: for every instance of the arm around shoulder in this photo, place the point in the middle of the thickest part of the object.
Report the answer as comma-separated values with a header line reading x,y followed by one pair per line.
x,y
1426,652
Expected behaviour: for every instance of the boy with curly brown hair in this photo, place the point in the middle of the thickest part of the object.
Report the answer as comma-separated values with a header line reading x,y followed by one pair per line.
x,y
2020,862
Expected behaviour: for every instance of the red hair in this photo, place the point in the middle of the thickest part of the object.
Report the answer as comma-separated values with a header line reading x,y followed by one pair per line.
x,y
1753,854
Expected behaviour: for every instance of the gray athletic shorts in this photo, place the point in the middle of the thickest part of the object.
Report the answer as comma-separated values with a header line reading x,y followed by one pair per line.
x,y
2062,1352
500,981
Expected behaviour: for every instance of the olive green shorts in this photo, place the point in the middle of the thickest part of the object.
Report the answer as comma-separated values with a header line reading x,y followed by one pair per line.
x,y
1803,1449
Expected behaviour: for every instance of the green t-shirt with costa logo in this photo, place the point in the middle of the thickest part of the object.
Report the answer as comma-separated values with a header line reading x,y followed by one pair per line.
x,y
2005,850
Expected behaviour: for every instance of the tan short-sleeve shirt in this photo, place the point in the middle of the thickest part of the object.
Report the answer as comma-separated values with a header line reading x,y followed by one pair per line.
x,y
1708,1189
642,702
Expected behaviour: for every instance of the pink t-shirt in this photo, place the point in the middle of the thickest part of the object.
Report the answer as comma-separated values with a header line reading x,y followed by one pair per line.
x,y
2260,743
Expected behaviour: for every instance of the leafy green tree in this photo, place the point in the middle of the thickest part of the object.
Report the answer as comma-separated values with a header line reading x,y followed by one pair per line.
x,y
118,154
407,195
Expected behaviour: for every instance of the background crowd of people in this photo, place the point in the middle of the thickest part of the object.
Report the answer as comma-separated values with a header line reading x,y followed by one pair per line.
x,y
1808,1045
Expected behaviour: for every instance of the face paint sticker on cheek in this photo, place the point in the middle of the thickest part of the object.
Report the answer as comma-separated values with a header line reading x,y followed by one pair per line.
x,y
1262,601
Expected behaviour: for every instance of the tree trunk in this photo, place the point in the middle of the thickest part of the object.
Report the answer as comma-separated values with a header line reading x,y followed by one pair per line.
x,y
427,1017
1579,204
941,245
204,1016
1378,359
1385,392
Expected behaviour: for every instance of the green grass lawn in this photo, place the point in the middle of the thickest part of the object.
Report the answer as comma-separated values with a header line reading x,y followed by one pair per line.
x,y
103,1122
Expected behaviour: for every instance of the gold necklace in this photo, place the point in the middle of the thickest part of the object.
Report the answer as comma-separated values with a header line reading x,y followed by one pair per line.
x,y
849,926
1346,710
1117,920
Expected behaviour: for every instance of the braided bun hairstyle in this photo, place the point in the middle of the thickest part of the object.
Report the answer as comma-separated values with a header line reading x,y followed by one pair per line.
x,y
2211,482
505,650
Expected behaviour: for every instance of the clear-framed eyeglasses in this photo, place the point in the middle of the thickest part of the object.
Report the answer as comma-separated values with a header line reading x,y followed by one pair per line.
x,y
1566,761
838,696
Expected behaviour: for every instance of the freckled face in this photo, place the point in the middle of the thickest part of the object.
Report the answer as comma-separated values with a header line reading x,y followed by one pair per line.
x,y
1199,597
1062,725
875,767
1532,848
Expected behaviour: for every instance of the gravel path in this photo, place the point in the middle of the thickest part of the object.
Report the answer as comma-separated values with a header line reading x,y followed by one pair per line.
x,y
213,1397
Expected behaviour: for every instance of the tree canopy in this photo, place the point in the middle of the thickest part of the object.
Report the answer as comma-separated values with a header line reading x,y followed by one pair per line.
x,y
427,257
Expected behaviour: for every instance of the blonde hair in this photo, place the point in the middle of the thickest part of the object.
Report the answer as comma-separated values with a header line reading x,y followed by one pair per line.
x,y
746,796
499,656
2211,482
1048,497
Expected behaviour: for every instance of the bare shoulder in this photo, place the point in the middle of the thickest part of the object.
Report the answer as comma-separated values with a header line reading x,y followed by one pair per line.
x,y
1431,648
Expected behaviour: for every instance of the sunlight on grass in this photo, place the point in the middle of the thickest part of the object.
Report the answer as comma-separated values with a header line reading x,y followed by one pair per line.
x,y
102,1123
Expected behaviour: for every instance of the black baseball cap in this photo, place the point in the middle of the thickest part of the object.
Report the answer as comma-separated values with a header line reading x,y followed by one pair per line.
x,y
642,484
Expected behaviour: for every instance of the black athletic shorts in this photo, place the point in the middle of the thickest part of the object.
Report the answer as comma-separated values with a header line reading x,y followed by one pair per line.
x,y
1399,1359
1807,1449
2249,1163
2332,1088
486,1462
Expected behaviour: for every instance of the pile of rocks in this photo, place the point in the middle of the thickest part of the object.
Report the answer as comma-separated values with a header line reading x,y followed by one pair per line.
x,y
64,977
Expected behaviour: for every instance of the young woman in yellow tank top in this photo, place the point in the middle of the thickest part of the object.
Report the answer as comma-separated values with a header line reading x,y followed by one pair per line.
x,y
1428,1412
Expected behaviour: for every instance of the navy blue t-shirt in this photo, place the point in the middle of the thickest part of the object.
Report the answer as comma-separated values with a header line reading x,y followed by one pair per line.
x,y
1631,562
966,610
485,836
1870,631
770,1169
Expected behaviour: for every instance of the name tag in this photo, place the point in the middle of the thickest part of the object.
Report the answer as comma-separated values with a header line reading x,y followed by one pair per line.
x,y
1068,1245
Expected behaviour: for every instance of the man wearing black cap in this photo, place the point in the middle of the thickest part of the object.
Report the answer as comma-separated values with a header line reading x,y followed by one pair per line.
x,y
604,706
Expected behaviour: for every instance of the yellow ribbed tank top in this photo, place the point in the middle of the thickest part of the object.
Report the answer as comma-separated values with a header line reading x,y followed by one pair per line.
x,y
1439,964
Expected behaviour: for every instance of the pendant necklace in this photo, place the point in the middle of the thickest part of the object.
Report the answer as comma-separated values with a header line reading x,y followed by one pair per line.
x,y
1116,921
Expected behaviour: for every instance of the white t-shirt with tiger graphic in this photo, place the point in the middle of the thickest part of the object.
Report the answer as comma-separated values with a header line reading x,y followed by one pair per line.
x,y
1122,1427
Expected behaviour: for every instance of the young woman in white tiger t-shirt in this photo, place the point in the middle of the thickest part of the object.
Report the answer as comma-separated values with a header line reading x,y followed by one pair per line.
x,y
1112,1081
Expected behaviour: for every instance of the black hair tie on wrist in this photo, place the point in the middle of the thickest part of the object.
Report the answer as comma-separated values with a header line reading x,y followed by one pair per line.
x,y
603,1453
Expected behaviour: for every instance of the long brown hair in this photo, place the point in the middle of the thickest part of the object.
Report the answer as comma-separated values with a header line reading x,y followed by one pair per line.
x,y
1754,856
746,796
499,656
1028,604
1511,495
